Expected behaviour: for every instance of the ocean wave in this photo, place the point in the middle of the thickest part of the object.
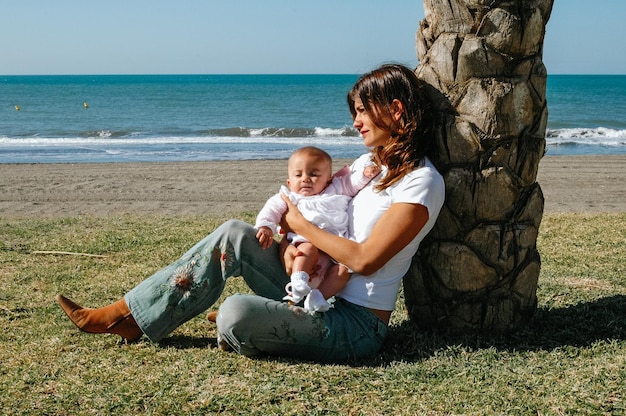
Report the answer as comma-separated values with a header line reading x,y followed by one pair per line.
x,y
103,134
597,132
322,136
226,133
345,131
113,140
599,136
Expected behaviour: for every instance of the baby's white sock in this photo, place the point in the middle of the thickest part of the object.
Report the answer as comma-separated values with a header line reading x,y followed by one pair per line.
x,y
298,288
315,302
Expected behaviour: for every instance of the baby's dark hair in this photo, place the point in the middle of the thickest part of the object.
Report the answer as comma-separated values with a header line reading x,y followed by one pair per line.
x,y
314,151
412,134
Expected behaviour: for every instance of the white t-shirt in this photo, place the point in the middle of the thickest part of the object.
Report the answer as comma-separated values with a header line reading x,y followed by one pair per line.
x,y
423,186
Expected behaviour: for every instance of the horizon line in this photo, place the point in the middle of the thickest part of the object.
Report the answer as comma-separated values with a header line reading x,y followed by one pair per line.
x,y
245,73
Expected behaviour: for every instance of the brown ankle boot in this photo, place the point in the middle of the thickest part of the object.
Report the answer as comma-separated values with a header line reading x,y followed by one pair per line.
x,y
111,319
212,316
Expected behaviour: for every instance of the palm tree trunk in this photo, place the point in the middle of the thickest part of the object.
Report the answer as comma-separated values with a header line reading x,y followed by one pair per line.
x,y
479,267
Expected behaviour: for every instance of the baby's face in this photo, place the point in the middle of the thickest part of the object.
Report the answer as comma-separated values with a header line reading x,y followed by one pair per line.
x,y
308,175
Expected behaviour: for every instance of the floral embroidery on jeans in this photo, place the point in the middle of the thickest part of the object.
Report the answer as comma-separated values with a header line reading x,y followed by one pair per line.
x,y
285,332
320,331
184,280
195,259
226,256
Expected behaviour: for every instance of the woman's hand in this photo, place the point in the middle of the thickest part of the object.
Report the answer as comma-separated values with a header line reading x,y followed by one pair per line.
x,y
288,254
291,221
292,217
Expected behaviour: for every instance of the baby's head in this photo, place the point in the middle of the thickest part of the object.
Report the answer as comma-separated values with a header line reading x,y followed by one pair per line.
x,y
309,171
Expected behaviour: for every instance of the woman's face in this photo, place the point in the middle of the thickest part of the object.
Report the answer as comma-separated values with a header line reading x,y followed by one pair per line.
x,y
373,136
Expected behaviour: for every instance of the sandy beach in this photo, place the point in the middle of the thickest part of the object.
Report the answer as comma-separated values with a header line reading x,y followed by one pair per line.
x,y
569,183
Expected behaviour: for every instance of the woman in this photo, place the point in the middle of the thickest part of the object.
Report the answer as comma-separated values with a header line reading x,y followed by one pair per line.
x,y
388,219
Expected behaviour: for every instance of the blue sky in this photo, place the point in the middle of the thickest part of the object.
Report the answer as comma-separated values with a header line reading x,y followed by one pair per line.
x,y
270,36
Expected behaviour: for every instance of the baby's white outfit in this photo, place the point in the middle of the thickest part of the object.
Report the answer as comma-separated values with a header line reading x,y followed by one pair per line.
x,y
327,210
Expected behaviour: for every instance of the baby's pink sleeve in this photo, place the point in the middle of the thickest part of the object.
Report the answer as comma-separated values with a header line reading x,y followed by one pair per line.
x,y
349,182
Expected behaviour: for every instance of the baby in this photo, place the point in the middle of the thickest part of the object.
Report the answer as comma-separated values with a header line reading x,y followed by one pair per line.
x,y
323,199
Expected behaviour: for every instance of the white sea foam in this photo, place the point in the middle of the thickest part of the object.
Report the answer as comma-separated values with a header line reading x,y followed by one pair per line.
x,y
599,136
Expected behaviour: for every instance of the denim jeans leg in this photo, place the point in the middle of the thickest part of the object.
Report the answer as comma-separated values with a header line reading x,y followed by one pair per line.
x,y
254,325
191,284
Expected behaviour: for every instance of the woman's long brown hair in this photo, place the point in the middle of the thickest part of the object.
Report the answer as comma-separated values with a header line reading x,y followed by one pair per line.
x,y
412,136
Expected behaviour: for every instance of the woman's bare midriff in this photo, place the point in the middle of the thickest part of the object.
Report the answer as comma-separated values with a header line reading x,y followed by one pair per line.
x,y
383,315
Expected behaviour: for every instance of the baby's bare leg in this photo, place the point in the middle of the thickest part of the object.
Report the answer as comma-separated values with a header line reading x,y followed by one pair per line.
x,y
336,278
303,267
307,260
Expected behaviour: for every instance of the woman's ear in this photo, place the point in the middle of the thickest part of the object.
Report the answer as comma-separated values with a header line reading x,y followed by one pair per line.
x,y
397,108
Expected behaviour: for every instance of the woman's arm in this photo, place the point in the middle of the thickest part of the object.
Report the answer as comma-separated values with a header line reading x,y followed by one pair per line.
x,y
393,231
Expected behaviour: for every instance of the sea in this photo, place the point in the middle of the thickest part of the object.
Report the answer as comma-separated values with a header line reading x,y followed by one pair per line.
x,y
164,118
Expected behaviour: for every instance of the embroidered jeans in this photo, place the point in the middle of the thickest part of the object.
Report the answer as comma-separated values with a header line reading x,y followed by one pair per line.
x,y
252,325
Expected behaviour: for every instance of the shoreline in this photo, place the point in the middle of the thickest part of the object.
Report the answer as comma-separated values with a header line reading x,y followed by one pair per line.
x,y
584,184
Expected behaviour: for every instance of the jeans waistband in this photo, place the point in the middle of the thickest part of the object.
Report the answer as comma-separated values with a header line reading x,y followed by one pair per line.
x,y
365,312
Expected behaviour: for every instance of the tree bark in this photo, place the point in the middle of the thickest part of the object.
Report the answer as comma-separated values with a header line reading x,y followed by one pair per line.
x,y
478,269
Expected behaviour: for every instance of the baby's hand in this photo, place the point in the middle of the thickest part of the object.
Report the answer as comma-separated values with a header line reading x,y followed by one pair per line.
x,y
371,171
265,236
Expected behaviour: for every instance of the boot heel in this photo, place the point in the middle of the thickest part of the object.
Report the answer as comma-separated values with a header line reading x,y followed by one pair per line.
x,y
127,328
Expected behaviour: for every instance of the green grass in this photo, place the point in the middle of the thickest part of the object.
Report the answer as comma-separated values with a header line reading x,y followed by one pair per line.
x,y
570,360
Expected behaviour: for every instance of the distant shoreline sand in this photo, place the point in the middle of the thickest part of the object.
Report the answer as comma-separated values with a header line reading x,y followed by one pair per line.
x,y
584,184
